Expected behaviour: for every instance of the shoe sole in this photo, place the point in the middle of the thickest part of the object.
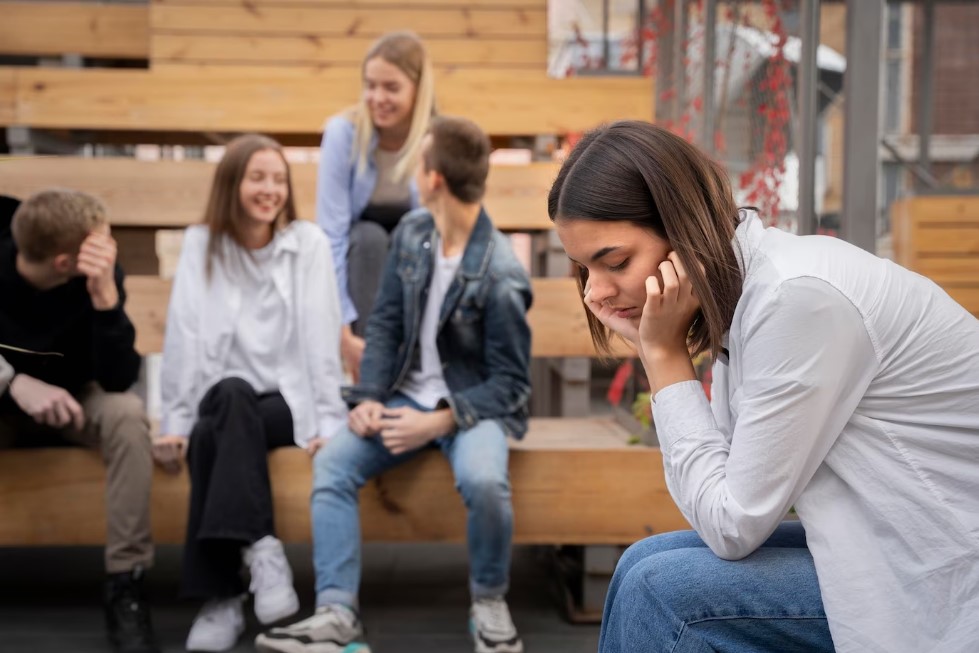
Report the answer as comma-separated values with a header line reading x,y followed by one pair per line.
x,y
299,647
480,647
290,607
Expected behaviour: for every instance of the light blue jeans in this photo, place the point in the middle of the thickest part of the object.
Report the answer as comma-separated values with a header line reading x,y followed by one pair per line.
x,y
671,593
478,457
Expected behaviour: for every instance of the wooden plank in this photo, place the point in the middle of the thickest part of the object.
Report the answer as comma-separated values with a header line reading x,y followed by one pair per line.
x,y
88,29
965,294
944,269
946,238
574,482
297,100
168,194
8,92
307,50
557,318
371,4
317,20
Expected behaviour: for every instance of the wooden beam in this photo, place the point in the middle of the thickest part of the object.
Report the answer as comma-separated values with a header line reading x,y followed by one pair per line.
x,y
345,21
8,96
85,28
306,50
171,194
370,4
297,100
575,481
557,318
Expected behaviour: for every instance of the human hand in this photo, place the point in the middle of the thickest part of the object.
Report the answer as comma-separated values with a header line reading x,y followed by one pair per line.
x,y
351,352
169,452
315,445
669,310
45,403
365,418
97,262
404,429
627,328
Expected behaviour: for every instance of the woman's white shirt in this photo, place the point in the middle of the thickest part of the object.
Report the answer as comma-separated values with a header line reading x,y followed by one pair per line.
x,y
207,329
851,391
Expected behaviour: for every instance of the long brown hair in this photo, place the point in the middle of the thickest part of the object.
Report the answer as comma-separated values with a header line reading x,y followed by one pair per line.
x,y
224,215
405,51
638,172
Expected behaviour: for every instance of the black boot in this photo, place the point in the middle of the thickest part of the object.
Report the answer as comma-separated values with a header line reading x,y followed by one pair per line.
x,y
127,617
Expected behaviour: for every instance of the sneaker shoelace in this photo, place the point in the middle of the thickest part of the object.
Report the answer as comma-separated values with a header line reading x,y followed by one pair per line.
x,y
493,616
267,569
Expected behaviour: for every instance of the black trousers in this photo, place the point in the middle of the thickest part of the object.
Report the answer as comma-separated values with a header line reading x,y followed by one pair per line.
x,y
230,496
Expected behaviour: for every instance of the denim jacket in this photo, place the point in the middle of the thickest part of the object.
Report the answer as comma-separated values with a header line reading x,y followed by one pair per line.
x,y
342,194
483,337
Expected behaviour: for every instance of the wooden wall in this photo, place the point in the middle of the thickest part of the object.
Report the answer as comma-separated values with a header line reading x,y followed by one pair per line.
x,y
283,66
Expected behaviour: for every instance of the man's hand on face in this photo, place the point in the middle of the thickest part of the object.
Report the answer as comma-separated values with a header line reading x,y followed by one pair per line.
x,y
97,262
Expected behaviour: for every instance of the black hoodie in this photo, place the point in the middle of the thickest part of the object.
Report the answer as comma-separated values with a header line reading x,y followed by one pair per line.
x,y
56,335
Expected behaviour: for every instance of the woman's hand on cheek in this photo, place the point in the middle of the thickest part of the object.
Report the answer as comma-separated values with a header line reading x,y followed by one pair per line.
x,y
622,326
669,311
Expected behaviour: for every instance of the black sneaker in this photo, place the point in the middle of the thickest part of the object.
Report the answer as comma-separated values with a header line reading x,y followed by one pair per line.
x,y
127,617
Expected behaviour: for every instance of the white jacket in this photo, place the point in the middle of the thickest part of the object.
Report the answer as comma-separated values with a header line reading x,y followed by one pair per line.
x,y
203,314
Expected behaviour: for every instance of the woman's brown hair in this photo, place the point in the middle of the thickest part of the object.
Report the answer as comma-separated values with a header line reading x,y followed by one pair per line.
x,y
224,215
644,174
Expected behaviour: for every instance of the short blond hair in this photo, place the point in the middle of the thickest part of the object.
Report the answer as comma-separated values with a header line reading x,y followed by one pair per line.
x,y
55,221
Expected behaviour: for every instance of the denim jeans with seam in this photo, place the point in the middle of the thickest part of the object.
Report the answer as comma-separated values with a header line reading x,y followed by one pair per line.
x,y
478,457
670,593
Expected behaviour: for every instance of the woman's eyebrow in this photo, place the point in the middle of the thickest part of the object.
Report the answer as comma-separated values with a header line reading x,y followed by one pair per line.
x,y
602,252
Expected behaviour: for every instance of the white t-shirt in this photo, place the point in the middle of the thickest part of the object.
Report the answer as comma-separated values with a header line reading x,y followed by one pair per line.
x,y
851,391
426,385
259,334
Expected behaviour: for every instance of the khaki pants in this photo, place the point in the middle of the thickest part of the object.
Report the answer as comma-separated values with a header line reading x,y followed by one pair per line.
x,y
116,425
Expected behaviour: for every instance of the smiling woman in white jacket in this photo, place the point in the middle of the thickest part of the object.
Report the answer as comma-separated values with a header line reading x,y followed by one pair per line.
x,y
250,363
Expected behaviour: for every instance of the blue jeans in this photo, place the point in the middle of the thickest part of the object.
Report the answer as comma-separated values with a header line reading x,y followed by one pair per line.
x,y
478,457
671,593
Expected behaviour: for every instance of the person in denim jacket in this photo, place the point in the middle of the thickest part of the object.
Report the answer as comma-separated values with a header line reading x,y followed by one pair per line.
x,y
364,184
446,366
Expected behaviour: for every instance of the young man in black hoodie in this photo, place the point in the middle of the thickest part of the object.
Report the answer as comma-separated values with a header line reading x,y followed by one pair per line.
x,y
66,364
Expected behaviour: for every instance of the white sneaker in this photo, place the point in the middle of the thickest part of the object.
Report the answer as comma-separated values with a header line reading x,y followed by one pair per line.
x,y
332,629
275,597
217,627
492,628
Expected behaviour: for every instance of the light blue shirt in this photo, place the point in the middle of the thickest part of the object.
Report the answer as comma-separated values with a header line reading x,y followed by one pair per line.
x,y
342,194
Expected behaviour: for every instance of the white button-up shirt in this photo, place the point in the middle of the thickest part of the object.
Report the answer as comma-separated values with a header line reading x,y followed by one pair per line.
x,y
851,391
204,315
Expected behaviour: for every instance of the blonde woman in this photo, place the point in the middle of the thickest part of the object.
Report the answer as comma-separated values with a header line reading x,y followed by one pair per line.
x,y
250,363
365,184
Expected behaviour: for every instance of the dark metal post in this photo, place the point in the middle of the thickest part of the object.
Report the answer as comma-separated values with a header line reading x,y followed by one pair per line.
x,y
925,101
710,50
808,115
861,157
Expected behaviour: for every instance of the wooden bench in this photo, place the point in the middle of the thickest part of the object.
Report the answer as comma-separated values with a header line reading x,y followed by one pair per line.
x,y
575,481
938,236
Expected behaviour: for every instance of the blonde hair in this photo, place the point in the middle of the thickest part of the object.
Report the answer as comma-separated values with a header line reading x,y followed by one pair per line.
x,y
55,221
407,52
224,215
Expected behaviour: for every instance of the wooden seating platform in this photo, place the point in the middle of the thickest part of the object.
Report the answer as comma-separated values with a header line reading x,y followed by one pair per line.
x,y
938,236
575,480
172,194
